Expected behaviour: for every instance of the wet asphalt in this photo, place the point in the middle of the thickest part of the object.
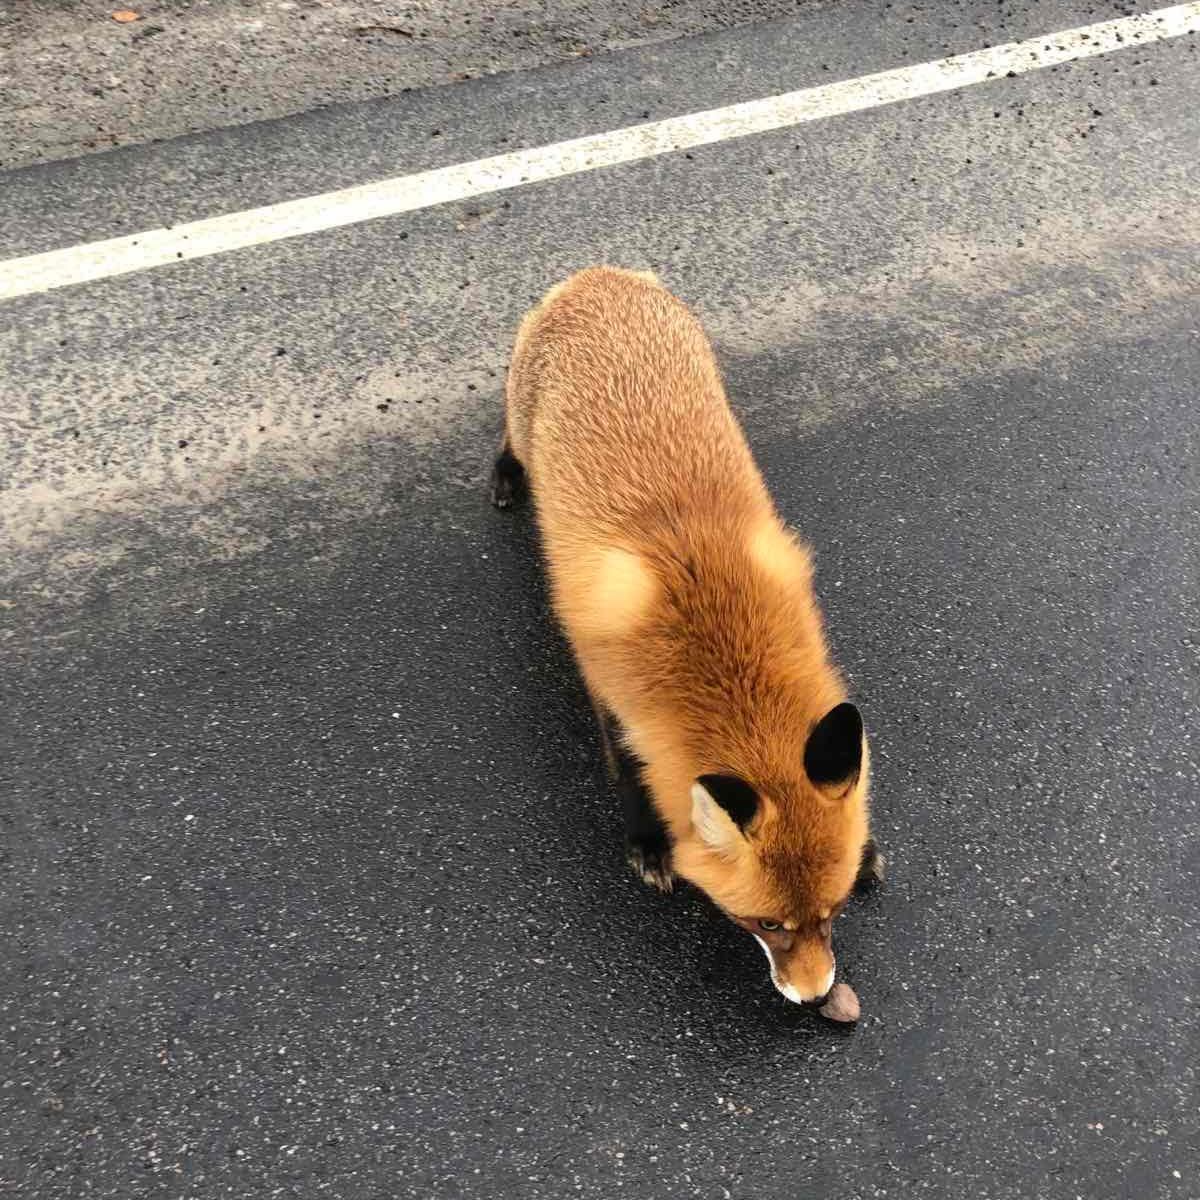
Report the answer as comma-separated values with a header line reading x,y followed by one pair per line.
x,y
311,880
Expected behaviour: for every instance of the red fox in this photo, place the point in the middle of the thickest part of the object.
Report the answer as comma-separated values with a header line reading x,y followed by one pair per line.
x,y
689,607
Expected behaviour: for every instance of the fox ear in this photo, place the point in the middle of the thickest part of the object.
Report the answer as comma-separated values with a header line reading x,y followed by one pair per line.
x,y
833,753
722,807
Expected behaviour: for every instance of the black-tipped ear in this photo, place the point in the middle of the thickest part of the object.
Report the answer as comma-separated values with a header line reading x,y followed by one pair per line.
x,y
734,795
833,754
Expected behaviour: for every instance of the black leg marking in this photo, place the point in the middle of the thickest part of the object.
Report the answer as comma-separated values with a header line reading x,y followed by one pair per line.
x,y
647,843
508,479
607,742
870,869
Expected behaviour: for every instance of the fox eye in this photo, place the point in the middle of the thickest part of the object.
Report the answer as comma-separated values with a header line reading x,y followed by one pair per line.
x,y
769,926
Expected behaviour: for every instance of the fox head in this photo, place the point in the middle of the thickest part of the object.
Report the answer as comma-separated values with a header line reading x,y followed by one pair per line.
x,y
780,857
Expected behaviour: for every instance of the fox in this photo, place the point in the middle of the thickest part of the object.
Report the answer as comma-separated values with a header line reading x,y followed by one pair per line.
x,y
688,604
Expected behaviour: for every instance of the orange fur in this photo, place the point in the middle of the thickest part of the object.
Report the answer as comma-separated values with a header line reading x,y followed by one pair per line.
x,y
687,602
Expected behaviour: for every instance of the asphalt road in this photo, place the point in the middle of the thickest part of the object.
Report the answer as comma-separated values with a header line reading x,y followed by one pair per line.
x,y
311,883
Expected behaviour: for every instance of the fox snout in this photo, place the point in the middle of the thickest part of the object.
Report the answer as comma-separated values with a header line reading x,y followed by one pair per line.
x,y
802,966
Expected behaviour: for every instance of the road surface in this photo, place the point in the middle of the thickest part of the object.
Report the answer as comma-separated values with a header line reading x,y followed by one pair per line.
x,y
311,884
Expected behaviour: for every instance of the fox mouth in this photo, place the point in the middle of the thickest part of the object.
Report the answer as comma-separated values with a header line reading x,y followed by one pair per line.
x,y
791,994
819,1002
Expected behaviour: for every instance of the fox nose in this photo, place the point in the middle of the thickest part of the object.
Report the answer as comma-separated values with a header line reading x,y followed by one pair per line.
x,y
815,1001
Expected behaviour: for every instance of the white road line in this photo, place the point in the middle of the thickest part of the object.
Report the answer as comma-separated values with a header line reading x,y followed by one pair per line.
x,y
406,193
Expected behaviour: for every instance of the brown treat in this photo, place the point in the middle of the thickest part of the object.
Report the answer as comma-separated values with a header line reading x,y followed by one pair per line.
x,y
842,1004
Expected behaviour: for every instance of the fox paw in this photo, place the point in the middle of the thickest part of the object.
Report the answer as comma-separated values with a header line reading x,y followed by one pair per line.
x,y
871,869
651,865
508,480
